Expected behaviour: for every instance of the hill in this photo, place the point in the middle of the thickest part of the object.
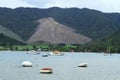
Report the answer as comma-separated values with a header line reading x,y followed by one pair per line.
x,y
8,41
9,33
106,44
51,31
115,38
90,23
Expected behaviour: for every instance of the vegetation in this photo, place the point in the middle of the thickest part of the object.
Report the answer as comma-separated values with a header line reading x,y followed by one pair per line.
x,y
109,44
9,33
97,46
7,41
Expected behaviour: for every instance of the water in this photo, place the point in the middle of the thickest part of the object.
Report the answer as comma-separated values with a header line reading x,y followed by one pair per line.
x,y
65,67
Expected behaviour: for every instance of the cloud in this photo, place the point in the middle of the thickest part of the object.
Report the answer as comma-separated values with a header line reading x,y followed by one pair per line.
x,y
52,3
102,5
14,4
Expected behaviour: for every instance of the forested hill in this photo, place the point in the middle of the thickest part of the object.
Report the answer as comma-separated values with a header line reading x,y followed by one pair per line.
x,y
8,41
111,43
9,33
91,23
115,38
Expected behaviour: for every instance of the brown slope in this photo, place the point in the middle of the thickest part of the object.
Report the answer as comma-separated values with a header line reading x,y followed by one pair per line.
x,y
51,31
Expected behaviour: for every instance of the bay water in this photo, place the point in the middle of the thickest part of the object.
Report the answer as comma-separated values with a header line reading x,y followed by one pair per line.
x,y
100,66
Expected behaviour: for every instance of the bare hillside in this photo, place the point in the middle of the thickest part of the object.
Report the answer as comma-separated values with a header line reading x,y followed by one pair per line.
x,y
51,31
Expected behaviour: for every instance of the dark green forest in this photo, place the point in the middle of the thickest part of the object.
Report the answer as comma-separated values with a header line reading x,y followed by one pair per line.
x,y
6,41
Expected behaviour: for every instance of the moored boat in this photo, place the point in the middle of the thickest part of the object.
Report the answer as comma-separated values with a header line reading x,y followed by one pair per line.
x,y
83,65
26,64
45,55
33,52
46,70
56,53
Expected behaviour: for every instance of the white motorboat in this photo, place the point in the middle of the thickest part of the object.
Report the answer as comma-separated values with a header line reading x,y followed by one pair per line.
x,y
83,65
32,52
26,64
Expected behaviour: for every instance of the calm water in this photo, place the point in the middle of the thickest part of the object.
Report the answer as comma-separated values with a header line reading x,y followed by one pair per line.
x,y
100,67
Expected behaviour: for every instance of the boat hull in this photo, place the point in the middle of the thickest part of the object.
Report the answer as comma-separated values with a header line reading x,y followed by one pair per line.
x,y
83,65
56,54
46,70
26,64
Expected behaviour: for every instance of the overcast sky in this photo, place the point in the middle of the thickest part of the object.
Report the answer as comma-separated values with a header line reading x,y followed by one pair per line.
x,y
102,5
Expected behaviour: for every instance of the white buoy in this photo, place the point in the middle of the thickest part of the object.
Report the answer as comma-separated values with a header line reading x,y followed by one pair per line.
x,y
26,64
83,65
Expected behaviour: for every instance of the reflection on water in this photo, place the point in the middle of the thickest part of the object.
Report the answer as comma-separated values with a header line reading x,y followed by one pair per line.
x,y
65,67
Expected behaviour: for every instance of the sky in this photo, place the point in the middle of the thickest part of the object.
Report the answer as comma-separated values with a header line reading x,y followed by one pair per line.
x,y
101,5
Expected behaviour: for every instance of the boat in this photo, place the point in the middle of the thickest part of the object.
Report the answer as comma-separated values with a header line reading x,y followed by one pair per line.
x,y
83,65
45,55
46,70
33,52
56,53
26,64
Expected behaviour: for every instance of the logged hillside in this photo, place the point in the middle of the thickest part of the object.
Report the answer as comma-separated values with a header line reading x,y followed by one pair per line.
x,y
51,31
91,23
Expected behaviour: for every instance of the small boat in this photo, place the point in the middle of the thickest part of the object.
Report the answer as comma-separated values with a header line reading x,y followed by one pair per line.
x,y
26,64
83,65
46,70
56,53
32,52
45,55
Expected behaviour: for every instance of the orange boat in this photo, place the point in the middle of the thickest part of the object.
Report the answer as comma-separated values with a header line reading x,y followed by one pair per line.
x,y
56,53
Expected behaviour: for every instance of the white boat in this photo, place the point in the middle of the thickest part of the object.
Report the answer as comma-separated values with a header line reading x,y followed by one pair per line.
x,y
46,70
83,65
32,52
56,53
26,64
